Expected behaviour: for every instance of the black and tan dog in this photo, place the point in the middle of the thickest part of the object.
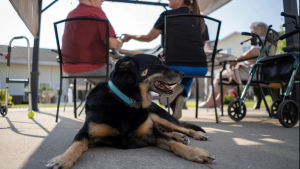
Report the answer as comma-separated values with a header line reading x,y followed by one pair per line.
x,y
111,121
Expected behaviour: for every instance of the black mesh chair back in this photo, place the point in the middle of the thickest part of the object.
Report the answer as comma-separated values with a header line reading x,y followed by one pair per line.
x,y
82,32
271,36
184,44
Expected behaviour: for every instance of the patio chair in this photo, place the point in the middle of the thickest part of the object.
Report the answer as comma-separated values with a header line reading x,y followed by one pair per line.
x,y
79,23
270,37
181,35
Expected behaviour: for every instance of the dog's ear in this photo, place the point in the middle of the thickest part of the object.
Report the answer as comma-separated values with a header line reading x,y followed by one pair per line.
x,y
125,65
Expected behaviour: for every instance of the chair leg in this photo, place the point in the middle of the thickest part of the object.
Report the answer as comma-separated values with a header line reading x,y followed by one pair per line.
x,y
264,99
83,99
66,99
214,97
221,92
58,102
271,93
74,98
81,110
238,90
197,97
86,91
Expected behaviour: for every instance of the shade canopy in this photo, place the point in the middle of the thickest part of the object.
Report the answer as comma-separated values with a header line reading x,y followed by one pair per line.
x,y
206,6
29,12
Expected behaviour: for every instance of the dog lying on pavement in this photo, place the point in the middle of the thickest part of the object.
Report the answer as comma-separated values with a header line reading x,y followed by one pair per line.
x,y
120,113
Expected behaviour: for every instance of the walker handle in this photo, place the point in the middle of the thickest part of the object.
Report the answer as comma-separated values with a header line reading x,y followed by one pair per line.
x,y
290,15
247,33
291,33
19,37
3,54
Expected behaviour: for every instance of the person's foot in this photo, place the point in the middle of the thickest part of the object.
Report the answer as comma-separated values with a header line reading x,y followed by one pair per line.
x,y
178,89
177,107
205,105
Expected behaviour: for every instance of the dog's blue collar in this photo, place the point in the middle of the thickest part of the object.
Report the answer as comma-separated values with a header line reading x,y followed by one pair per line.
x,y
130,102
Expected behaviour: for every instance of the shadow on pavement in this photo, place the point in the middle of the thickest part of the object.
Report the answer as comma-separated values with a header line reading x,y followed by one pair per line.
x,y
235,145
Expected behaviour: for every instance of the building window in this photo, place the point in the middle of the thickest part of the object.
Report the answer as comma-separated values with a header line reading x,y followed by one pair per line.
x,y
227,51
246,48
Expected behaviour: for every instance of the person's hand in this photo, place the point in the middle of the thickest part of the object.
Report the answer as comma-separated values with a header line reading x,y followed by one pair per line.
x,y
232,65
120,43
125,38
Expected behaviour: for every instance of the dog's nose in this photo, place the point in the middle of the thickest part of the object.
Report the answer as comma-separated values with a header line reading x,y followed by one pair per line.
x,y
181,73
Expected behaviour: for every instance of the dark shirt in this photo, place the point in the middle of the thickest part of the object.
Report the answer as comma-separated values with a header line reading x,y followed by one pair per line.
x,y
179,52
160,23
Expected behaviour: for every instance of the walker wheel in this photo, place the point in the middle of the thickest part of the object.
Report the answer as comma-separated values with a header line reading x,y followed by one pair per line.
x,y
288,113
274,107
3,110
234,112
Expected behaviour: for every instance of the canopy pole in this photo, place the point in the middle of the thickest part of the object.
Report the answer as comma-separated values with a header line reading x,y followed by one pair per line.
x,y
35,64
290,6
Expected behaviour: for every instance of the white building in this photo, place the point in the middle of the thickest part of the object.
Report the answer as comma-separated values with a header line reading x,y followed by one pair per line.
x,y
48,68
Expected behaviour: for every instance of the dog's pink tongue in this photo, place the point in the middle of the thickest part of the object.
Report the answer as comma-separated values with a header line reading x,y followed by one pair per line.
x,y
167,86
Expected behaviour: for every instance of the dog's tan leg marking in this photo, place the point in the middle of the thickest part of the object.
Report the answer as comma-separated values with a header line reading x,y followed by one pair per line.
x,y
78,147
144,88
190,153
145,128
182,138
67,159
160,122
101,130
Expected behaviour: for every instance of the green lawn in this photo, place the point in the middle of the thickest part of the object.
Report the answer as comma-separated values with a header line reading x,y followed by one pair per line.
x,y
39,105
249,104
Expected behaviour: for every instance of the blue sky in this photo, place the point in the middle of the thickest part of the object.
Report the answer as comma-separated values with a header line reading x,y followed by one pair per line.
x,y
237,15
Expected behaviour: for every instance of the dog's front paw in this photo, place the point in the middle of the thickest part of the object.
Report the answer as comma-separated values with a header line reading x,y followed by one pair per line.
x,y
201,156
200,136
60,162
182,138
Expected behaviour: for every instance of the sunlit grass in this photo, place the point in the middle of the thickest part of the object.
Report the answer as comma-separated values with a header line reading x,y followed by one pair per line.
x,y
39,105
249,104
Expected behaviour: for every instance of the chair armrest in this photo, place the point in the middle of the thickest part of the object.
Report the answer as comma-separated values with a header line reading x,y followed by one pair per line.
x,y
224,62
55,51
153,51
210,53
116,54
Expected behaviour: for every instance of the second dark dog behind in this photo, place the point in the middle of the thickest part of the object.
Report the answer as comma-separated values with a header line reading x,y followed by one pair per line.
x,y
111,120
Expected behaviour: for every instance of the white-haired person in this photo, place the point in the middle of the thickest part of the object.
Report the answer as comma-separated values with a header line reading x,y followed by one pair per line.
x,y
242,67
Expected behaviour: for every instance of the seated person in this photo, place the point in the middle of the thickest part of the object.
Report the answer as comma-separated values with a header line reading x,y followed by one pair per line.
x,y
242,68
181,90
88,48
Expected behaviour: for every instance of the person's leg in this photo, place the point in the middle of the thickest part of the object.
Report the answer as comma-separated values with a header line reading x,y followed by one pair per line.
x,y
178,102
101,72
98,72
186,83
210,101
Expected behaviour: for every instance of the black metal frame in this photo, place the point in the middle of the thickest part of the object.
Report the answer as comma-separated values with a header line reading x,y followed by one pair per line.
x,y
244,82
140,2
211,76
79,77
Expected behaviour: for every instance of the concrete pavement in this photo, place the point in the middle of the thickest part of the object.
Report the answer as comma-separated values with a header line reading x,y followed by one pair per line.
x,y
256,142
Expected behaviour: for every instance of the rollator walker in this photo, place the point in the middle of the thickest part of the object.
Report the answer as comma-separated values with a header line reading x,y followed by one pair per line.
x,y
3,109
283,69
